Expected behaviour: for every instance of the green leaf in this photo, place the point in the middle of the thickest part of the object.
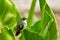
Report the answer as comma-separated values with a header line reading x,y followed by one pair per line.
x,y
53,25
22,37
9,14
37,27
48,22
31,13
6,34
44,29
28,35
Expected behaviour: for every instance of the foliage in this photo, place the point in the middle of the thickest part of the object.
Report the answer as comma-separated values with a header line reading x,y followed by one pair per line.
x,y
43,29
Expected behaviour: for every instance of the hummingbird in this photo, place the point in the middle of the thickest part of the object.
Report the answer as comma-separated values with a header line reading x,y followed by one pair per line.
x,y
21,24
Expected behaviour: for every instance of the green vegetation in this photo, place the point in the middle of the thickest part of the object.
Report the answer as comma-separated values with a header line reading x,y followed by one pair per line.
x,y
43,29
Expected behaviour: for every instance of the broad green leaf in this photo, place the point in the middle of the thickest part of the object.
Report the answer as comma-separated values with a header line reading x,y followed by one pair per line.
x,y
9,14
52,27
47,37
28,35
37,27
31,13
44,29
6,34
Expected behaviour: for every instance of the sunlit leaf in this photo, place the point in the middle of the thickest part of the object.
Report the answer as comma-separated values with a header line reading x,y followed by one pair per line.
x,y
9,14
7,34
52,26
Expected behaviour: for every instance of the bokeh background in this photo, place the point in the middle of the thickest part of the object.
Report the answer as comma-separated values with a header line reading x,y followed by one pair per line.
x,y
24,6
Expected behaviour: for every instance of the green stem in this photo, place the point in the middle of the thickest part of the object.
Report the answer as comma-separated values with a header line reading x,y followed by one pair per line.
x,y
31,13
